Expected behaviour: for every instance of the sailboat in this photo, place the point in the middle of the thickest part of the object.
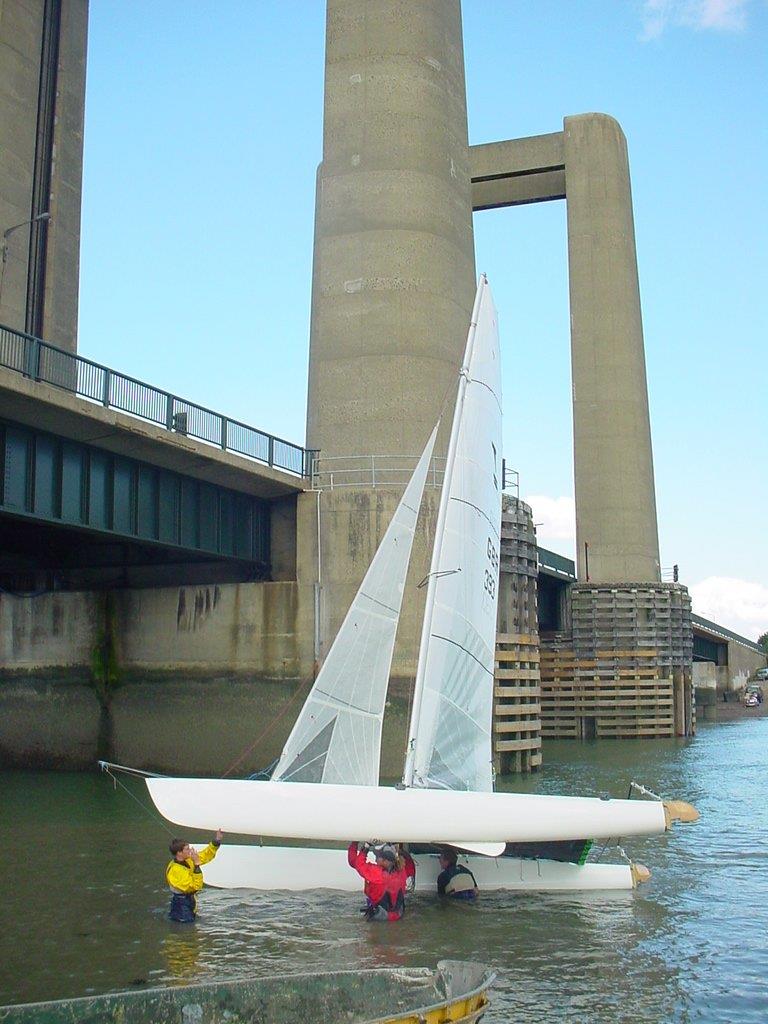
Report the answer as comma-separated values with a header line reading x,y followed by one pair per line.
x,y
325,786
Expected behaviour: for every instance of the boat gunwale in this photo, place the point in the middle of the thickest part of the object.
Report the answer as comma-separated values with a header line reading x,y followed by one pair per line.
x,y
419,1012
415,974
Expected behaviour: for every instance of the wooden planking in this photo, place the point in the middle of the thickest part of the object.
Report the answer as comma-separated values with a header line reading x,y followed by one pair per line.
x,y
516,693
617,672
504,746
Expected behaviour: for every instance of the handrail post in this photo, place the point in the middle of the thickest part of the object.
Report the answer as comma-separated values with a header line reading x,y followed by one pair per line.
x,y
373,471
223,433
33,359
169,412
271,451
106,388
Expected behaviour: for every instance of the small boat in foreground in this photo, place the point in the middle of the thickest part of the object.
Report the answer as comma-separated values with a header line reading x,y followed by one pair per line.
x,y
455,991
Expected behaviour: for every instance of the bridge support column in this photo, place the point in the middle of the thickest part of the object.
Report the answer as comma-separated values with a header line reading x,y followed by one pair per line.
x,y
394,277
42,102
616,531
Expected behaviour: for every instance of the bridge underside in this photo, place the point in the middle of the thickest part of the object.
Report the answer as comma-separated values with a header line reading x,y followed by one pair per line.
x,y
36,556
73,516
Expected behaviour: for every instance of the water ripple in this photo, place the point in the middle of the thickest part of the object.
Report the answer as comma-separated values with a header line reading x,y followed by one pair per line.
x,y
84,906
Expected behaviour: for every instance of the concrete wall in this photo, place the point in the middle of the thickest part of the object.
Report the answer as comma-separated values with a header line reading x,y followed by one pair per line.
x,y
352,524
743,662
183,678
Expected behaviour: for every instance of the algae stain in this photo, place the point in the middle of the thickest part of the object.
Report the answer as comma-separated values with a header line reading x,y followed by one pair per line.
x,y
105,671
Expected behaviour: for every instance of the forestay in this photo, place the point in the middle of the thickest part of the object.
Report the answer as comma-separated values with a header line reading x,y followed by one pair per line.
x,y
337,736
450,736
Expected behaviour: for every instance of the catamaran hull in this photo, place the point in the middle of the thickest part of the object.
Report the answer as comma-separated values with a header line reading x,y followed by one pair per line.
x,y
296,810
302,868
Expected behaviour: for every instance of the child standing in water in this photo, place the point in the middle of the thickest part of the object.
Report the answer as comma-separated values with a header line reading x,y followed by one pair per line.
x,y
185,877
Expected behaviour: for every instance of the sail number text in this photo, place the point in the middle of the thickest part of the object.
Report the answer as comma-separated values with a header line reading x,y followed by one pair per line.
x,y
491,571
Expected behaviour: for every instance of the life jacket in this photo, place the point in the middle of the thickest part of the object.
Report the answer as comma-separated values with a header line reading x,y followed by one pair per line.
x,y
458,882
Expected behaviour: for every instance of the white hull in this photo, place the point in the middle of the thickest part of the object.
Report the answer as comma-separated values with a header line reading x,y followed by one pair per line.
x,y
299,869
297,810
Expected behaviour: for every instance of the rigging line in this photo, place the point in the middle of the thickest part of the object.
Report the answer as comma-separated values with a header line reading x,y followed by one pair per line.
x,y
485,515
437,575
337,702
476,380
381,604
265,731
105,767
455,643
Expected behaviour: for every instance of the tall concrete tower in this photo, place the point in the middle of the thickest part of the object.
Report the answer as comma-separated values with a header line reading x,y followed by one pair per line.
x,y
616,532
394,255
42,97
393,281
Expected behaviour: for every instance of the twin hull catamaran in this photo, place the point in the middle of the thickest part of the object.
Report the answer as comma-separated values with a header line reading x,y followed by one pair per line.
x,y
325,786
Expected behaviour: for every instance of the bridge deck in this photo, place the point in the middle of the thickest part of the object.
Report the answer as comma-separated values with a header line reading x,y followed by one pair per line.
x,y
60,412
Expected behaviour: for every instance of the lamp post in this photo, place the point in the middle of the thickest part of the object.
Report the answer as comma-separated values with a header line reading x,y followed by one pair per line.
x,y
7,234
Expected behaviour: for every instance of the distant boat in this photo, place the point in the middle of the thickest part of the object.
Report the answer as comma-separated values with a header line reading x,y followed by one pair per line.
x,y
456,991
325,786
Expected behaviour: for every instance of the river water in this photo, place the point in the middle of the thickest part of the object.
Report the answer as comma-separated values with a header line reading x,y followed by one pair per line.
x,y
84,901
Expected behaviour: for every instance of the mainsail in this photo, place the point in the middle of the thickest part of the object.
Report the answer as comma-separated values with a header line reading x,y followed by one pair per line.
x,y
337,736
450,734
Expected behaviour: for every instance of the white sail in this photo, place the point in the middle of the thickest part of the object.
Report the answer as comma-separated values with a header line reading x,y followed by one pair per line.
x,y
337,736
450,737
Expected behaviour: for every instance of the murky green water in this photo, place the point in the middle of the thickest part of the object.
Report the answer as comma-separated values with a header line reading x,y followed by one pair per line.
x,y
84,902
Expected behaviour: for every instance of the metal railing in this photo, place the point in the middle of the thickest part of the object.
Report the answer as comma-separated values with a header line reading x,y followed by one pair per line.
x,y
510,480
40,361
331,473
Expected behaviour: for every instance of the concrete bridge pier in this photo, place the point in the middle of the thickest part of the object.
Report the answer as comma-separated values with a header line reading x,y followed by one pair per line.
x,y
394,276
616,530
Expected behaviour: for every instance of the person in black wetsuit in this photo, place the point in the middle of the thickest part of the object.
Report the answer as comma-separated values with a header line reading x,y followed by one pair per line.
x,y
454,879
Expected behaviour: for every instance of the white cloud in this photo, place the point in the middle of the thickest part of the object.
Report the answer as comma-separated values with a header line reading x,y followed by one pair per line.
x,y
738,604
555,518
700,15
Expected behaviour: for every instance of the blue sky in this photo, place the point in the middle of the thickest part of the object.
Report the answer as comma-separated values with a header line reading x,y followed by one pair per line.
x,y
203,133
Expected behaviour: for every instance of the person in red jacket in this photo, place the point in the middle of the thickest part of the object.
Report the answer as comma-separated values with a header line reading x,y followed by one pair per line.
x,y
409,865
385,880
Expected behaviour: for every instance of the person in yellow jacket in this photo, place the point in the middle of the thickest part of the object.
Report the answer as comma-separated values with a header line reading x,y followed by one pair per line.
x,y
185,877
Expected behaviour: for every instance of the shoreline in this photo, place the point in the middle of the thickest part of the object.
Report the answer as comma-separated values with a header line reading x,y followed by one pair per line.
x,y
730,711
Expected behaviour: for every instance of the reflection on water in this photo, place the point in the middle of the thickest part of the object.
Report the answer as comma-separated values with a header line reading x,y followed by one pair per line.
x,y
84,901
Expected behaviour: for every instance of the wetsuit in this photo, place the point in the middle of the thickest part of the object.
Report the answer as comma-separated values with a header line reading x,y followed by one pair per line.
x,y
457,882
185,880
384,890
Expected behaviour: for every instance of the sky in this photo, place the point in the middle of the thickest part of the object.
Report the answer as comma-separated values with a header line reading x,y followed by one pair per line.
x,y
203,133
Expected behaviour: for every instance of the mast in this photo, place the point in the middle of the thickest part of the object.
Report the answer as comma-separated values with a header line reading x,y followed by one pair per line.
x,y
418,689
